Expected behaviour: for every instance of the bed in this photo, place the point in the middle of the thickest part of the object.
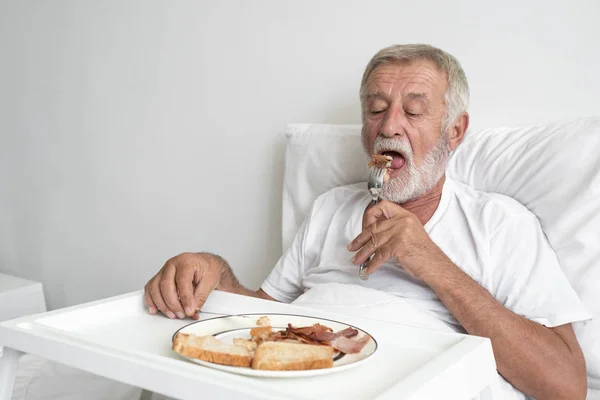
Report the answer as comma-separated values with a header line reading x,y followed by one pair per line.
x,y
553,169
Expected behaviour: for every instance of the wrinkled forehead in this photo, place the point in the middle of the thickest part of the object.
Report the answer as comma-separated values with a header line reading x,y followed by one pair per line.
x,y
415,79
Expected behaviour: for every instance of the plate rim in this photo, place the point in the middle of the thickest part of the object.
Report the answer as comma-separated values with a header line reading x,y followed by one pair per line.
x,y
292,315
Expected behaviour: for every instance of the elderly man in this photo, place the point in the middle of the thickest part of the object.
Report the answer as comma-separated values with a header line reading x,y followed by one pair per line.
x,y
474,259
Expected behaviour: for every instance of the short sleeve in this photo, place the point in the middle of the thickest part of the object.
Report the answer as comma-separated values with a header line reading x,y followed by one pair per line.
x,y
527,277
284,283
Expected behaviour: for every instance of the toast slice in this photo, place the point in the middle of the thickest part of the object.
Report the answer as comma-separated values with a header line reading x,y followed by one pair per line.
x,y
208,348
285,356
247,343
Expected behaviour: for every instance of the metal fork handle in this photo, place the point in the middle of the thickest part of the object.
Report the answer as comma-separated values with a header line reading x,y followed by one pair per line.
x,y
375,184
362,271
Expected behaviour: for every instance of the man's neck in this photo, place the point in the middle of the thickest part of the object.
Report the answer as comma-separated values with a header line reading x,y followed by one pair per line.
x,y
424,207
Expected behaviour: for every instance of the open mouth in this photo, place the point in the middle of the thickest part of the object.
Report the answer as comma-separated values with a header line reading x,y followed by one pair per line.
x,y
398,159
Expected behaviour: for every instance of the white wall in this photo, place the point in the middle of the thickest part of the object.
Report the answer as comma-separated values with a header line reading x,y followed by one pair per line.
x,y
115,116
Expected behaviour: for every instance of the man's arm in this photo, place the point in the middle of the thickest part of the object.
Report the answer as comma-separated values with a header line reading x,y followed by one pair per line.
x,y
183,284
229,283
546,363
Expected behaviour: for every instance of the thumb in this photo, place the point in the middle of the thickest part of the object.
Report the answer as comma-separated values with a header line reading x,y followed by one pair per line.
x,y
208,283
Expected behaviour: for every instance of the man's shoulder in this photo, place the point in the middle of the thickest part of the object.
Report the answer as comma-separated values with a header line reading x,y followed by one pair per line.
x,y
496,206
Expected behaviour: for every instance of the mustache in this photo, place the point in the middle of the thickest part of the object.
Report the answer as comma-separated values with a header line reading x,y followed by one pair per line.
x,y
383,144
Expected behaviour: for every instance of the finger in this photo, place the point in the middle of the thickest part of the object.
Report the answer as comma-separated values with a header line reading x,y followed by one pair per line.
x,y
184,279
380,257
362,239
208,283
365,236
369,248
377,240
381,211
158,299
169,290
148,299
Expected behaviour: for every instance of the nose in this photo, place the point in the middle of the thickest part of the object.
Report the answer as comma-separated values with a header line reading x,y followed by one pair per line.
x,y
394,123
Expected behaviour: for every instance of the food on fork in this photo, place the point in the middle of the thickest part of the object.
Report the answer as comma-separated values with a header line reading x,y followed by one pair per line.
x,y
380,161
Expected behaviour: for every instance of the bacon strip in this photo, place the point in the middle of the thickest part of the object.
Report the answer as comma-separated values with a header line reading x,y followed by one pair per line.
x,y
318,334
325,336
310,330
349,346
329,336
348,332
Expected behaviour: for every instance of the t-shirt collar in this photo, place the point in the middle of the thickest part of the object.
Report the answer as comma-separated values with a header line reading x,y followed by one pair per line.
x,y
439,211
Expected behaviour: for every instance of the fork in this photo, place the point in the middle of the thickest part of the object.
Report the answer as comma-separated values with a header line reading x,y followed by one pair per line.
x,y
226,315
374,184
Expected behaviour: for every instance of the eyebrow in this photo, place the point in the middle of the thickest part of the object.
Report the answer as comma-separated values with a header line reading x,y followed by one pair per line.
x,y
378,93
419,96
412,96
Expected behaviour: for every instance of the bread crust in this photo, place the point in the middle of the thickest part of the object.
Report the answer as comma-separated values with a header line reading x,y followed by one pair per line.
x,y
275,365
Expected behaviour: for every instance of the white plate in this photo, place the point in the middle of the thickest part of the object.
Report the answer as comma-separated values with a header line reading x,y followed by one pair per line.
x,y
228,328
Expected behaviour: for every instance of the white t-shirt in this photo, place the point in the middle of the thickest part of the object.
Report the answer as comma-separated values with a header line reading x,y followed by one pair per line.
x,y
493,238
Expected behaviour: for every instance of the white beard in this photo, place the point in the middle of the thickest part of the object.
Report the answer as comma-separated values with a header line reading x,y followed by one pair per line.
x,y
415,179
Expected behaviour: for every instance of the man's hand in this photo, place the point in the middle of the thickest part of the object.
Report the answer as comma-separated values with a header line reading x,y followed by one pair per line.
x,y
183,284
391,232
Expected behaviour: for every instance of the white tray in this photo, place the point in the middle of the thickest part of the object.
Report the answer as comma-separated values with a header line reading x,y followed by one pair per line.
x,y
118,339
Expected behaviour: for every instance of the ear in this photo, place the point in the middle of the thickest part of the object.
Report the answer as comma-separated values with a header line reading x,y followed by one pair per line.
x,y
457,132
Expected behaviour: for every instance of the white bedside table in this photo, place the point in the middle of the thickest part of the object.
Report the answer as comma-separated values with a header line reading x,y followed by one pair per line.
x,y
19,297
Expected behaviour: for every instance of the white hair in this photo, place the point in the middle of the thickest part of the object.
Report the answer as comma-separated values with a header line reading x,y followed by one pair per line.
x,y
456,97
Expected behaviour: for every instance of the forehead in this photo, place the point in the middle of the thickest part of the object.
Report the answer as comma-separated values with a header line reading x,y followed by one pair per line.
x,y
406,78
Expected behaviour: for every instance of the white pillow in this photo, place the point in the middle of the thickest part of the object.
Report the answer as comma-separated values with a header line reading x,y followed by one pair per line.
x,y
552,169
318,158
